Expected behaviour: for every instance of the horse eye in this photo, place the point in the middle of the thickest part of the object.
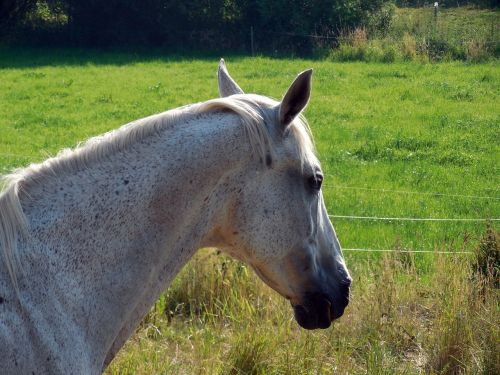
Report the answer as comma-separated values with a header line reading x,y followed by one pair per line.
x,y
315,182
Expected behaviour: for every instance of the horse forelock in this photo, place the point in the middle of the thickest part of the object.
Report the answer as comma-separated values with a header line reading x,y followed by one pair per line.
x,y
254,111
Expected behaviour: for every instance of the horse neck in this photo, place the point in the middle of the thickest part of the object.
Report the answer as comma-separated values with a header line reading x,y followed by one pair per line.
x,y
118,232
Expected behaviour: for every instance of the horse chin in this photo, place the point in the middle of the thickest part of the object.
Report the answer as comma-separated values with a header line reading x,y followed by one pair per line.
x,y
316,312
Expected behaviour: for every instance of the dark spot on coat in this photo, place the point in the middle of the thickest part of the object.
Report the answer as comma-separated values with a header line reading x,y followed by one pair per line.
x,y
125,182
269,160
117,192
2,300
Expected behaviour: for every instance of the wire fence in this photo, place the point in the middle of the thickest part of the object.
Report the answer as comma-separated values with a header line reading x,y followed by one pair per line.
x,y
407,251
409,192
423,29
382,218
352,217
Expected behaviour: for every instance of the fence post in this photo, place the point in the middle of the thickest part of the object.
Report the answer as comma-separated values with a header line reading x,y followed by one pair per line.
x,y
436,8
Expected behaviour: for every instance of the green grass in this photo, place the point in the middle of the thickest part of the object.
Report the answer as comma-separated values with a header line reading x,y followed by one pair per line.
x,y
405,126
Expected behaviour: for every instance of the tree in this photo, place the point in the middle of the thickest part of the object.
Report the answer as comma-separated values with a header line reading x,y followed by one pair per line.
x,y
12,11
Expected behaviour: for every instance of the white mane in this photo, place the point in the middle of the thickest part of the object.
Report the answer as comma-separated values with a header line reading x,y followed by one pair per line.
x,y
254,111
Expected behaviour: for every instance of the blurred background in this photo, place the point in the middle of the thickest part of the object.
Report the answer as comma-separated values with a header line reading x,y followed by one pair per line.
x,y
378,30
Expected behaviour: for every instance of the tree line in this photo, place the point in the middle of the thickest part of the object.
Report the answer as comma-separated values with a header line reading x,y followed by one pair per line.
x,y
188,23
284,25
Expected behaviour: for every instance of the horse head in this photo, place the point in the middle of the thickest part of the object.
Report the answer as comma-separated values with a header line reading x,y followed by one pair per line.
x,y
279,223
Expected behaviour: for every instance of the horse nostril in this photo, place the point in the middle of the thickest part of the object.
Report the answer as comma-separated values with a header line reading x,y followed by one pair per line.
x,y
345,288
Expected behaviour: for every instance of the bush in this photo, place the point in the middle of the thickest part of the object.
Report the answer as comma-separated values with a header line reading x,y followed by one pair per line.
x,y
371,52
346,52
380,21
409,47
440,48
476,51
355,46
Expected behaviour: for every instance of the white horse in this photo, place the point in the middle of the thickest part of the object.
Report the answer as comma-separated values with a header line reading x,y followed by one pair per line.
x,y
90,238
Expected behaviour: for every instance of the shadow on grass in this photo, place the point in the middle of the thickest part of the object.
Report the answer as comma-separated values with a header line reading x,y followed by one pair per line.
x,y
33,57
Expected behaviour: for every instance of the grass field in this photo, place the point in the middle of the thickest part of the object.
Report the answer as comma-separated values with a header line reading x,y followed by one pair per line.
x,y
428,128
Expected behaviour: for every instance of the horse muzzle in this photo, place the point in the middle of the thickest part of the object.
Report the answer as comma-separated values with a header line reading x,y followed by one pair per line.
x,y
319,311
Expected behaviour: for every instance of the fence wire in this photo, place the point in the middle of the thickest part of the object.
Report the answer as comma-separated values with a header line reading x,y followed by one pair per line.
x,y
406,251
379,218
428,193
353,217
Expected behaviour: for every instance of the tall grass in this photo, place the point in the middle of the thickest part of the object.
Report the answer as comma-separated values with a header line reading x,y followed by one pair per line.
x,y
401,320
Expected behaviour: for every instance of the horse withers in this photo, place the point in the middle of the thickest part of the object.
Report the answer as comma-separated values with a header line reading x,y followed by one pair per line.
x,y
90,238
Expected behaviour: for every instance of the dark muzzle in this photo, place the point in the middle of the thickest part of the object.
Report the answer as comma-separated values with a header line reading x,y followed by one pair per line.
x,y
318,311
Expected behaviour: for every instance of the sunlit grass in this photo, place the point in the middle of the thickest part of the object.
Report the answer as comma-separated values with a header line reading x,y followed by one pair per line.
x,y
412,127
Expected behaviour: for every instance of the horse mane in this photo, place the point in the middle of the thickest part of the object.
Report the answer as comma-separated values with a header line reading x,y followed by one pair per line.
x,y
254,111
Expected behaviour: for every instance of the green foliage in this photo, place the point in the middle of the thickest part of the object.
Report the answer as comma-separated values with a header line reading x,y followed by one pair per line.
x,y
214,24
309,28
372,51
439,48
416,34
380,20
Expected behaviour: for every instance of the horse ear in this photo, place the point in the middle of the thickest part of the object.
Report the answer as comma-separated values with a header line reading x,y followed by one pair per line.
x,y
227,86
296,98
